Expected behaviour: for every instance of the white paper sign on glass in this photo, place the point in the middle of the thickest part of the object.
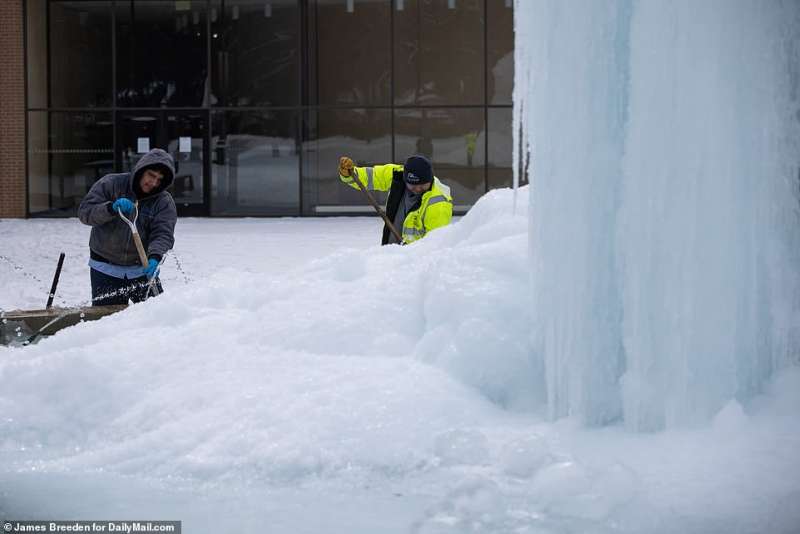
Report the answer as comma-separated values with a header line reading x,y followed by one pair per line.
x,y
185,144
143,145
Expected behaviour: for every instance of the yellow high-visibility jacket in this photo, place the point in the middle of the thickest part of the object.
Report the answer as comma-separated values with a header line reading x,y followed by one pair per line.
x,y
434,210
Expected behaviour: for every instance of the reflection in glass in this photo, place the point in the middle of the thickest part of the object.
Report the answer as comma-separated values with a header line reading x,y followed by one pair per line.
x,y
254,163
438,53
66,163
260,70
80,48
500,51
182,135
500,148
254,52
161,53
36,52
454,139
362,134
350,52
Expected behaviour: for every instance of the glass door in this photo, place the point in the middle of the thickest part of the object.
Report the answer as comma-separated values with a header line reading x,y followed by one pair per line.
x,y
183,134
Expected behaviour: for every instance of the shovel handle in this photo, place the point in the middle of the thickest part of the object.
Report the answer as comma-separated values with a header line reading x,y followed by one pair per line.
x,y
137,240
151,285
53,287
375,205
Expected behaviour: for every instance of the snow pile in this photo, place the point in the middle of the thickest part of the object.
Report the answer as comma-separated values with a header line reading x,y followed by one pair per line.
x,y
339,396
291,376
664,139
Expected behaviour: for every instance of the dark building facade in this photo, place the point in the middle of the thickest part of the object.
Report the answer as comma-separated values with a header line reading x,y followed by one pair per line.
x,y
256,99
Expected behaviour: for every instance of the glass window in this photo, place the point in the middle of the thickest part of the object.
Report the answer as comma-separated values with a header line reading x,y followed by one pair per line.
x,y
66,163
454,139
38,163
255,165
500,53
80,48
438,52
36,48
350,52
362,134
242,69
182,134
161,53
500,148
254,52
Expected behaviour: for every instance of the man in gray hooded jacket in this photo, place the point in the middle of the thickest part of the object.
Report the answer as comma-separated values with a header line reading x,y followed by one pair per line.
x,y
116,272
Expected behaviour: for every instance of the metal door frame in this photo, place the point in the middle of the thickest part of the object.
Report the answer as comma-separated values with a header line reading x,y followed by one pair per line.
x,y
201,209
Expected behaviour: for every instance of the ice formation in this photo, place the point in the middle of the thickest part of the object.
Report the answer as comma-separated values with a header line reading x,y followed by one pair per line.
x,y
662,144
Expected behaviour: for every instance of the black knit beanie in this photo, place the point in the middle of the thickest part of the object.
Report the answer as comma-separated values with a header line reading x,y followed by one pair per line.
x,y
417,170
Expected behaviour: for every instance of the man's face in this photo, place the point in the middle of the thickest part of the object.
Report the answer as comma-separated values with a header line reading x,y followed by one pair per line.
x,y
419,188
150,180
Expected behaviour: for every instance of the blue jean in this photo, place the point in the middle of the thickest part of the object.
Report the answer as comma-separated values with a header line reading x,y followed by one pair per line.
x,y
108,290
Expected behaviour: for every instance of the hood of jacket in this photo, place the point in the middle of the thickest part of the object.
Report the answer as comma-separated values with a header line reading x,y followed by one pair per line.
x,y
445,189
155,158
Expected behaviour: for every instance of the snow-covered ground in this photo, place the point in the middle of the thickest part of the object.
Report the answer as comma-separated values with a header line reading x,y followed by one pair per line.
x,y
296,377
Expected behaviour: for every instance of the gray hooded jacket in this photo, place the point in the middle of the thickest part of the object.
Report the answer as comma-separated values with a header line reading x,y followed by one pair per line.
x,y
110,237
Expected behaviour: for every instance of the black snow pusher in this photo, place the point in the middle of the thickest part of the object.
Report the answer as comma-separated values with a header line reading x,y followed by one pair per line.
x,y
23,327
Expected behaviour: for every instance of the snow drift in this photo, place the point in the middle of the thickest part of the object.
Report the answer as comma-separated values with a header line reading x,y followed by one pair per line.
x,y
218,377
288,396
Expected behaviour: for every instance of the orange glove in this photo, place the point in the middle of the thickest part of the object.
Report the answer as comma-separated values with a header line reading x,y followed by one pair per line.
x,y
346,166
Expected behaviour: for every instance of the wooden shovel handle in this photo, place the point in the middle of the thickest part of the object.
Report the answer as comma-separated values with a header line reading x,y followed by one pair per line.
x,y
151,286
137,240
375,205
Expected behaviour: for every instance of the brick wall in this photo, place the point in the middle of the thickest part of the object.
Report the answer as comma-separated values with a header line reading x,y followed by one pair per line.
x,y
12,110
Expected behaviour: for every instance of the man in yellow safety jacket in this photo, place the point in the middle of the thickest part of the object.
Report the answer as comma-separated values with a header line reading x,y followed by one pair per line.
x,y
418,201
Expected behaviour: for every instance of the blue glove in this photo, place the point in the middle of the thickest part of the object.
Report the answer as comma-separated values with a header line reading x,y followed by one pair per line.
x,y
152,268
122,204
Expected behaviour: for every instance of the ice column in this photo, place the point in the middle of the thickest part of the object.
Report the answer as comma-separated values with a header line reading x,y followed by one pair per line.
x,y
664,140
571,76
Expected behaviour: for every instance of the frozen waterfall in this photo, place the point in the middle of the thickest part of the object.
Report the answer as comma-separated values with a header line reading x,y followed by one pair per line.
x,y
663,141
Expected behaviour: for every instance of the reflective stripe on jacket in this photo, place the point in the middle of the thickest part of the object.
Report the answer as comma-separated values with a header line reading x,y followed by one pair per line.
x,y
435,208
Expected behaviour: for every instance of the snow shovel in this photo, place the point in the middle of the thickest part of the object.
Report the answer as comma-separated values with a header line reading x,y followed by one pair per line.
x,y
49,306
137,240
37,323
375,205
50,298
34,324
